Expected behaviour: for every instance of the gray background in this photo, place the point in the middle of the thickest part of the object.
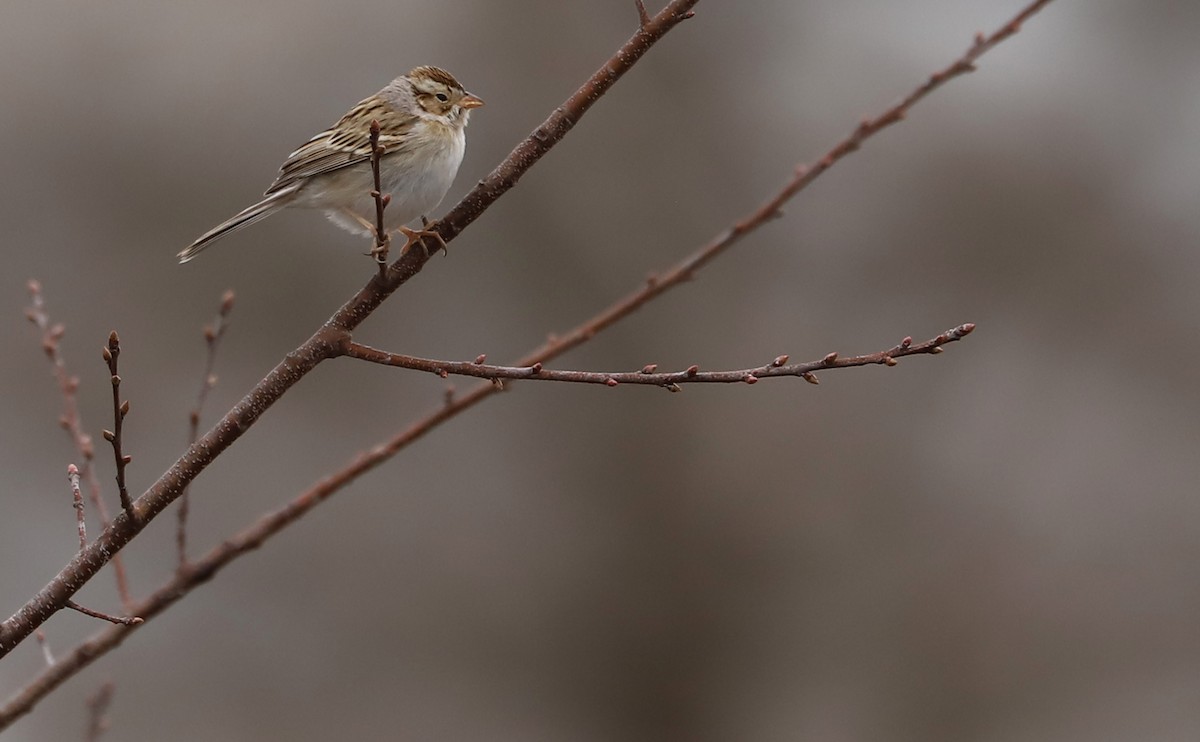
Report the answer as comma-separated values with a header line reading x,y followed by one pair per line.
x,y
996,544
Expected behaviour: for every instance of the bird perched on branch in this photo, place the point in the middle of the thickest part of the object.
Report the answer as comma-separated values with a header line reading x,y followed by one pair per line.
x,y
422,120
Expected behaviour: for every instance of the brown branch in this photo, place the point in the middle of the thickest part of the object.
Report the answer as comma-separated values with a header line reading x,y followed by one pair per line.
x,y
212,340
77,503
382,238
72,423
122,620
98,704
327,341
120,409
254,536
643,16
650,375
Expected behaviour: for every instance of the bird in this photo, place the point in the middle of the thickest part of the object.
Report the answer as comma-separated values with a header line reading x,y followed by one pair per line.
x,y
422,120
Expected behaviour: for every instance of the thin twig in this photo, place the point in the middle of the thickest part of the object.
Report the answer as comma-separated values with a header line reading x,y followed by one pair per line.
x,y
326,342
77,503
120,409
72,423
98,705
382,239
47,655
643,16
212,340
650,375
122,620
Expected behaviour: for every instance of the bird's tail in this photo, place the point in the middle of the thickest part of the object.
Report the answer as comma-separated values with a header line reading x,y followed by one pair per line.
x,y
244,218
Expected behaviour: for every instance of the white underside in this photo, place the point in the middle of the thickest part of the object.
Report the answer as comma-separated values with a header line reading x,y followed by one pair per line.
x,y
417,183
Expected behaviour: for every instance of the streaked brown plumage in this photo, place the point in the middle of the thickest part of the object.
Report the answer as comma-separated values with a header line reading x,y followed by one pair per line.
x,y
422,117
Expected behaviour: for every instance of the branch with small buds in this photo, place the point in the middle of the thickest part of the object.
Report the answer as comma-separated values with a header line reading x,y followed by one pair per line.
x,y
72,423
120,409
382,239
212,340
77,503
650,375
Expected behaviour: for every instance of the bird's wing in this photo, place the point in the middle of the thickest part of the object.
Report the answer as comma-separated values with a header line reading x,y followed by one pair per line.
x,y
346,143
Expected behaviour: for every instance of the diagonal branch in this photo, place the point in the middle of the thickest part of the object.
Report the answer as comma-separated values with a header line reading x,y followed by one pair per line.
x,y
327,341
650,375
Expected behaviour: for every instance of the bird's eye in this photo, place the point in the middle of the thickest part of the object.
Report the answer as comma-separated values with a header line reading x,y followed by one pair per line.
x,y
442,97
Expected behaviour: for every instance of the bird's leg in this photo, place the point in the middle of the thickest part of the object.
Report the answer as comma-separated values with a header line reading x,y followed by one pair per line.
x,y
419,235
380,250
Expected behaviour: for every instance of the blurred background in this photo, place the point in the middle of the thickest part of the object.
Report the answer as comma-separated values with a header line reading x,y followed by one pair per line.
x,y
999,543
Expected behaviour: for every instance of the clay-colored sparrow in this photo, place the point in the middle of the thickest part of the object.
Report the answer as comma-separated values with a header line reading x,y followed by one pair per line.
x,y
422,117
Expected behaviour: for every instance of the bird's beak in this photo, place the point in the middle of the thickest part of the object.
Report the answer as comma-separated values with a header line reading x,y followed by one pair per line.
x,y
470,101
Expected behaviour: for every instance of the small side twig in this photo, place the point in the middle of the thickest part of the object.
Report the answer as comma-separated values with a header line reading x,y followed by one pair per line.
x,y
72,423
120,409
98,704
212,340
45,645
649,375
77,502
382,239
122,620
643,16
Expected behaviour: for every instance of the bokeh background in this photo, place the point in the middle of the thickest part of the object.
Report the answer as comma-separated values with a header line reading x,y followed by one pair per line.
x,y
999,543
